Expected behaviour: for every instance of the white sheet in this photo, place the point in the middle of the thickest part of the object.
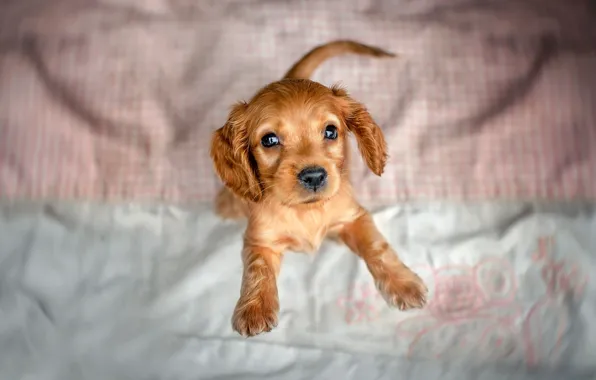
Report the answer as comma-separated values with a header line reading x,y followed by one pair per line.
x,y
139,292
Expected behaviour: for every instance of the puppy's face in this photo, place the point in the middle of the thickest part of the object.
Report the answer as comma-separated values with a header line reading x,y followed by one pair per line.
x,y
290,142
298,146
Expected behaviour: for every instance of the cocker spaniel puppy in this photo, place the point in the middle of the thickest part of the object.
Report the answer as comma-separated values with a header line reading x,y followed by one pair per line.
x,y
283,159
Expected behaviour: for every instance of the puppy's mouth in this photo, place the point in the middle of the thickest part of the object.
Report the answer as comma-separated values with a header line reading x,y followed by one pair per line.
x,y
316,199
311,201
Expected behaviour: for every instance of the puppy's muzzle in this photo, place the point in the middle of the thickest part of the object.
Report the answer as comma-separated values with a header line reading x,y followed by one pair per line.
x,y
313,178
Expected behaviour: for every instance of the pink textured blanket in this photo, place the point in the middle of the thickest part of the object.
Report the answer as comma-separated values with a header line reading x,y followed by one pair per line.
x,y
116,100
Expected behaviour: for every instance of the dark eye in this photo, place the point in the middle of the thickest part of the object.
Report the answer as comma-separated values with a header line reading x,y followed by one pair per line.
x,y
269,140
331,132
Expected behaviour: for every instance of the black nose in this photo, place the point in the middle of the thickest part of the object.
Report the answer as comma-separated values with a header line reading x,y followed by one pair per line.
x,y
313,178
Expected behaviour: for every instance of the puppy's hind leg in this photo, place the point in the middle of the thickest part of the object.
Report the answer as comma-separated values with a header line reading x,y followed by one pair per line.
x,y
229,206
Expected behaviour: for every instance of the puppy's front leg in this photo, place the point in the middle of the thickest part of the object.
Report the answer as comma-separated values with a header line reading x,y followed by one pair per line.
x,y
397,283
256,310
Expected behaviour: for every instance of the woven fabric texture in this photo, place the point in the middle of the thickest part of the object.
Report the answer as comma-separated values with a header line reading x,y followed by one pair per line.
x,y
116,100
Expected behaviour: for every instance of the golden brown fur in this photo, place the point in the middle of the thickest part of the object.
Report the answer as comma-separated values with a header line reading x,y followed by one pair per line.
x,y
262,185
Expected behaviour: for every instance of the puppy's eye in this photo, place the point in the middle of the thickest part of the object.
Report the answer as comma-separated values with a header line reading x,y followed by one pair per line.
x,y
269,140
331,132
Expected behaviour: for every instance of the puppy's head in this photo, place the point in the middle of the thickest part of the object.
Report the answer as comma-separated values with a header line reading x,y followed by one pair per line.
x,y
289,142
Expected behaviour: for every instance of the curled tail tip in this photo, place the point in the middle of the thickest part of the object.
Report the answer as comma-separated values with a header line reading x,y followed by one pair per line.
x,y
371,50
386,54
381,53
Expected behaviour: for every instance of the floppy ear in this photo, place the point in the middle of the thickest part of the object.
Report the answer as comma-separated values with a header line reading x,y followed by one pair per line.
x,y
369,136
230,152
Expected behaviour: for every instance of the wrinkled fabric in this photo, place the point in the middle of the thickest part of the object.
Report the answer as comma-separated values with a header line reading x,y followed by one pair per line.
x,y
147,292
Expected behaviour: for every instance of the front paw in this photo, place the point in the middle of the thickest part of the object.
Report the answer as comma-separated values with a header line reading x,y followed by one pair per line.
x,y
255,315
402,288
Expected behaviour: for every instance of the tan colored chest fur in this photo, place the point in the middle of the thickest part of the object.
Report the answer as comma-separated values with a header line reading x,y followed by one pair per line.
x,y
300,229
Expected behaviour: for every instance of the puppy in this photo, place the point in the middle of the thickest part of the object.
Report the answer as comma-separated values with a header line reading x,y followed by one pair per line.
x,y
283,159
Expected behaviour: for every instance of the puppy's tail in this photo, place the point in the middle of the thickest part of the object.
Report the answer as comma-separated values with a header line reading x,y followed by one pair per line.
x,y
304,68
